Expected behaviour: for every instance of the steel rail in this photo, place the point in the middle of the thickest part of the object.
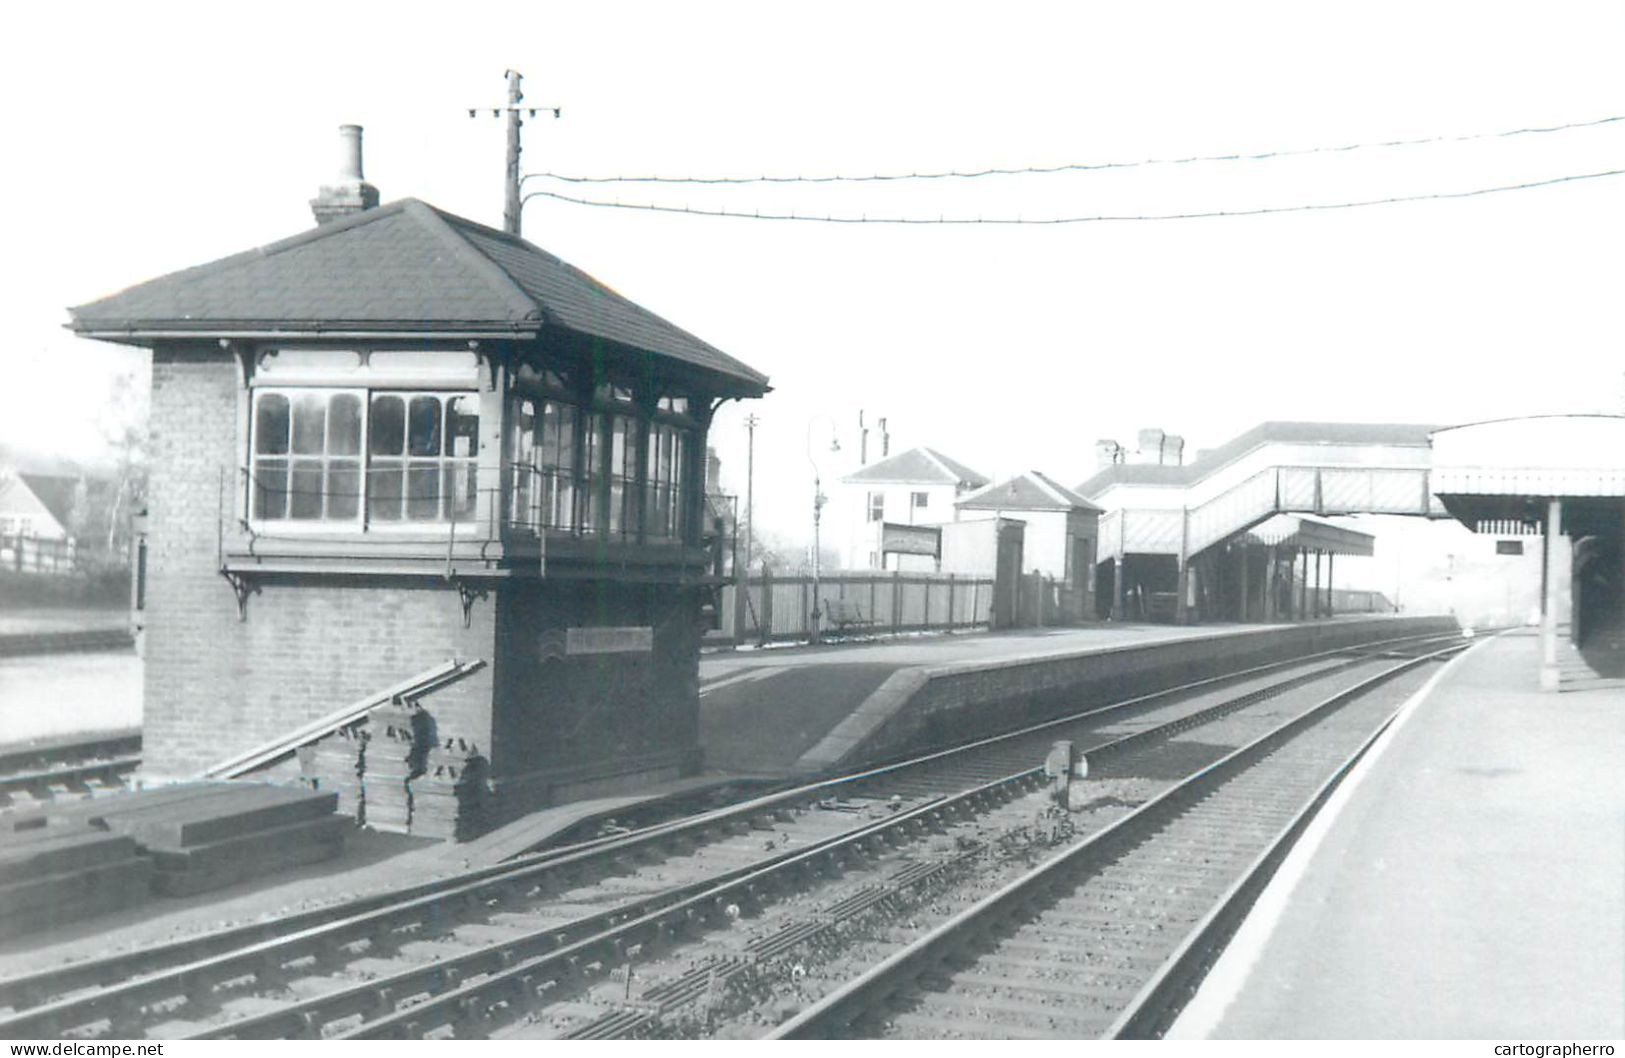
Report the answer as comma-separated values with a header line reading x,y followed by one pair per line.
x,y
451,1004
864,992
67,772
1153,1011
610,936
31,766
133,977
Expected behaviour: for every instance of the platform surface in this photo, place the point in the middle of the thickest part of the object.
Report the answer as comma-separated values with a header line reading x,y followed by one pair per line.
x,y
1468,884
761,710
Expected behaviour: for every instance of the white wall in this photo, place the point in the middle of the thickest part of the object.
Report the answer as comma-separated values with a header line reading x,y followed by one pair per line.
x,y
847,516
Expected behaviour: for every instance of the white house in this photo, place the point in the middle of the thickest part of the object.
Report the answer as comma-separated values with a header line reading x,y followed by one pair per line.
x,y
36,515
916,487
36,505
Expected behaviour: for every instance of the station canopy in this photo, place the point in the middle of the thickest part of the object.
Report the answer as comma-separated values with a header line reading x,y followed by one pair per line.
x,y
1310,534
1495,476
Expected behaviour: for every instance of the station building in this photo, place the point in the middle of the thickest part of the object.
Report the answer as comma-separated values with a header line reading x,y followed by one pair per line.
x,y
403,437
1060,533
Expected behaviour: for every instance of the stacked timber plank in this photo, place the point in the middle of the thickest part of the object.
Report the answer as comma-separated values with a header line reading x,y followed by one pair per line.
x,y
55,874
206,843
334,765
65,862
388,765
449,798
395,772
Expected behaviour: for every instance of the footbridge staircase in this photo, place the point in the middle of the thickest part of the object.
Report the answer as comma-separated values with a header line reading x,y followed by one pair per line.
x,y
1276,468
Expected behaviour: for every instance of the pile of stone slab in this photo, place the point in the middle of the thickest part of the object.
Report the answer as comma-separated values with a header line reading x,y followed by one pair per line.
x,y
63,863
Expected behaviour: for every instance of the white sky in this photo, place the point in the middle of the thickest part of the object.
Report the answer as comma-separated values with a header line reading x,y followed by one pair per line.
x,y
144,138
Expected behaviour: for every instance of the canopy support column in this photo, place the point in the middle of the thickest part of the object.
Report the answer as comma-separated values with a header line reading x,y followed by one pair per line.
x,y
1548,602
1269,583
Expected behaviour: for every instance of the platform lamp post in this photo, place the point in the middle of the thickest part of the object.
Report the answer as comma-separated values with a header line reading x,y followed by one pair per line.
x,y
819,499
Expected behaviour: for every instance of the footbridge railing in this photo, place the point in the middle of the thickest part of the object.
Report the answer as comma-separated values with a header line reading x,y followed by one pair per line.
x,y
1331,490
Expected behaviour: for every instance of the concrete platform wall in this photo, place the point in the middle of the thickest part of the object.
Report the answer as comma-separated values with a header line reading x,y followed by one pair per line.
x,y
943,706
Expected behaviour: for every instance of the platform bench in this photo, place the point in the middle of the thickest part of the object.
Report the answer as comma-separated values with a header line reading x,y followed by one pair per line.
x,y
843,614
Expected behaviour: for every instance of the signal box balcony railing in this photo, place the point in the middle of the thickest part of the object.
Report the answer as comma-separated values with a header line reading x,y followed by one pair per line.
x,y
474,539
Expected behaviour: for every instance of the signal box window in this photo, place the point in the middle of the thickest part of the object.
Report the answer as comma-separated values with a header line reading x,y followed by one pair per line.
x,y
324,455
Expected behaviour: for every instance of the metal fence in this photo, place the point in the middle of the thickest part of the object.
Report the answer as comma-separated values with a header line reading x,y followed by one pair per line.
x,y
780,607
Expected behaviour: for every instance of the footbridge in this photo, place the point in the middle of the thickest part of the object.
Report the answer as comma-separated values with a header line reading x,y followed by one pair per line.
x,y
1174,517
1232,515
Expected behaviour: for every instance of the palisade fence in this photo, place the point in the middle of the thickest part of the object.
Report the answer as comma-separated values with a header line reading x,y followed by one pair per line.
x,y
778,607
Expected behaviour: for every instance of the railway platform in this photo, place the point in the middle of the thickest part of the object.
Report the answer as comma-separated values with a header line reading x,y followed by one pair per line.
x,y
763,710
1464,884
812,709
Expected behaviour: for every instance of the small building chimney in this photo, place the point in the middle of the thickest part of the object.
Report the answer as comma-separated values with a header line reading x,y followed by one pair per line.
x,y
1108,452
1173,450
350,193
1150,446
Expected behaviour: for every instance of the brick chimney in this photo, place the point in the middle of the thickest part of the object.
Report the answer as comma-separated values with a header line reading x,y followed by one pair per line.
x,y
1108,452
350,193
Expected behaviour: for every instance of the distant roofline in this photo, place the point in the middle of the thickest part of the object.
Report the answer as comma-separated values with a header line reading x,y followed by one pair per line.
x,y
1212,459
944,463
1063,498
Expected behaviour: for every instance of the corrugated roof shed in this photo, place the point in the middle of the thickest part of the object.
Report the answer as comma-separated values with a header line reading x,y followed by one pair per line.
x,y
403,267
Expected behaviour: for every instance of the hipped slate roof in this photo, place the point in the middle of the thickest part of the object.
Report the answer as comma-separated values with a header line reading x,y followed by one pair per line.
x,y
403,267
1031,491
1262,434
917,466
55,494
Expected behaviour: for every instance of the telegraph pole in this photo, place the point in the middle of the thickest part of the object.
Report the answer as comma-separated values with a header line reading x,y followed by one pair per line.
x,y
751,422
511,201
510,205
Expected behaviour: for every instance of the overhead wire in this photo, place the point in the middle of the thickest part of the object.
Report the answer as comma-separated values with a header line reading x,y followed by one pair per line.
x,y
1091,219
1076,166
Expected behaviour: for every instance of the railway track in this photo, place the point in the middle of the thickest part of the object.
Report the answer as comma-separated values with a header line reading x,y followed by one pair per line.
x,y
434,956
48,770
1110,937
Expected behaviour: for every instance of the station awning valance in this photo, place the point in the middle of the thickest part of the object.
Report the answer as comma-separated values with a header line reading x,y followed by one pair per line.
x,y
1290,530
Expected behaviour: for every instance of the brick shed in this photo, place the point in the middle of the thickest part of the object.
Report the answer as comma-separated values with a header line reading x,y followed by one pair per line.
x,y
402,437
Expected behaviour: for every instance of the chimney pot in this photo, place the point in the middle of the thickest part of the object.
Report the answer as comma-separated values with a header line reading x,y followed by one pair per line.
x,y
349,153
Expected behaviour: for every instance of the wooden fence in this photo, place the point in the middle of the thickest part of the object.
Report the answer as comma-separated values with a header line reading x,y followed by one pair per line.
x,y
32,554
775,608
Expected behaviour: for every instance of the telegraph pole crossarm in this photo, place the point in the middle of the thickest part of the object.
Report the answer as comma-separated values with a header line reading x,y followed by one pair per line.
x,y
512,204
